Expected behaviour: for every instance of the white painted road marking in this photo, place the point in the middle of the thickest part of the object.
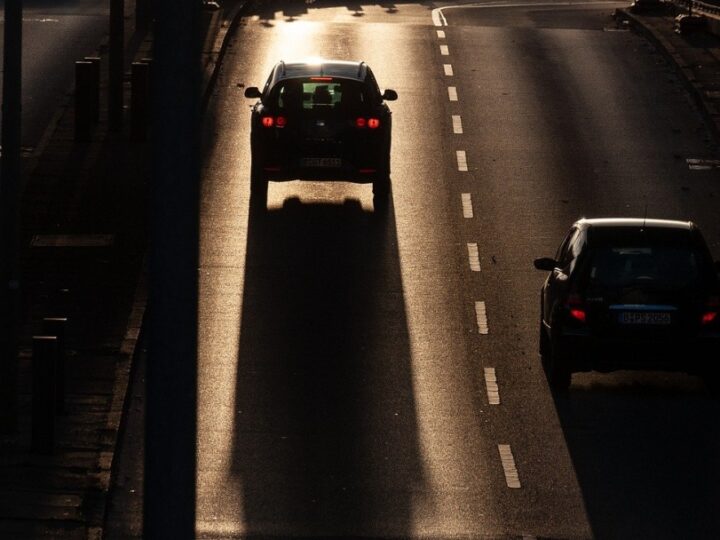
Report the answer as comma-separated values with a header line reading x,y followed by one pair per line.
x,y
452,93
457,123
441,34
438,18
473,256
512,478
493,392
467,205
448,69
695,164
481,316
444,50
461,160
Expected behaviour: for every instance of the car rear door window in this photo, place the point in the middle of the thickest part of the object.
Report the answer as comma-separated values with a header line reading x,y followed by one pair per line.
x,y
320,94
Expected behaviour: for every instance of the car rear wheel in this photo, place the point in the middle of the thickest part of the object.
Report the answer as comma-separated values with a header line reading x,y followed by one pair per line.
x,y
555,364
258,186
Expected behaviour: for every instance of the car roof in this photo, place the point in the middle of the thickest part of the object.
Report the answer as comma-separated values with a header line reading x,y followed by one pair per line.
x,y
639,223
320,68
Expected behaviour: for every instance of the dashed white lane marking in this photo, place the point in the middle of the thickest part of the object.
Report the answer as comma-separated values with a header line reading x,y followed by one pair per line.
x,y
444,50
695,164
461,160
448,69
481,316
493,392
441,34
467,205
457,123
512,478
452,93
473,256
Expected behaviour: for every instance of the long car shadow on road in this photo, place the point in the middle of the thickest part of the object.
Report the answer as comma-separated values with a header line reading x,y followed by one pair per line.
x,y
326,434
646,450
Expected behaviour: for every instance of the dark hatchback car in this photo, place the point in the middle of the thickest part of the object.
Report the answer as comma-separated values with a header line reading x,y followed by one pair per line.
x,y
324,120
630,294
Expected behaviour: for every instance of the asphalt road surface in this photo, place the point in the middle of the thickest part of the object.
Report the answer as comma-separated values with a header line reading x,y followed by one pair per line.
x,y
55,35
363,374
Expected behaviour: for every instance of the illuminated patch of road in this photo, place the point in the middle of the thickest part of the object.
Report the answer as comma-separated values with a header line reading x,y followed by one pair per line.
x,y
461,160
467,205
481,317
473,256
512,478
491,385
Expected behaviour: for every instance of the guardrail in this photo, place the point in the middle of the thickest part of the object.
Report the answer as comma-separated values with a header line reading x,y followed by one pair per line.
x,y
698,7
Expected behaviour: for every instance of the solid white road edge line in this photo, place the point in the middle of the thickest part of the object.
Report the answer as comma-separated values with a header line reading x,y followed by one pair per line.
x,y
438,18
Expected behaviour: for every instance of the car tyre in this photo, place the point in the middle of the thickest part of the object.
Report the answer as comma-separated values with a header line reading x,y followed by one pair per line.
x,y
712,382
381,186
258,186
555,364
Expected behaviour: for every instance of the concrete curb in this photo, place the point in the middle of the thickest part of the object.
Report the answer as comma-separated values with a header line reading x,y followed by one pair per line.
x,y
710,115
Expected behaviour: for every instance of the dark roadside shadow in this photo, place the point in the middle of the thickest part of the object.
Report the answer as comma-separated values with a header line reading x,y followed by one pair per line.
x,y
290,10
646,452
326,434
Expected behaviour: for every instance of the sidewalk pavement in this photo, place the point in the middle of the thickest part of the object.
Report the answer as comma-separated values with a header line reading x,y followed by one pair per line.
x,y
83,244
696,57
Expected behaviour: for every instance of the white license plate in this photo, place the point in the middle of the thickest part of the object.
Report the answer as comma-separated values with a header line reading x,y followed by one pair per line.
x,y
645,317
321,162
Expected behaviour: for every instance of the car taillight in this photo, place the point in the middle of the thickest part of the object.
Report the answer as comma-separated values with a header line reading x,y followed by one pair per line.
x,y
276,121
372,123
576,308
710,313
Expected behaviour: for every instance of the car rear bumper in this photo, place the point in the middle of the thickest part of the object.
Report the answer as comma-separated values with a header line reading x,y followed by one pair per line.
x,y
279,173
697,355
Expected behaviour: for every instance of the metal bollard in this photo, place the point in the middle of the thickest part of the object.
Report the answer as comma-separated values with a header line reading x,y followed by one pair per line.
x,y
95,90
56,326
43,393
83,100
139,100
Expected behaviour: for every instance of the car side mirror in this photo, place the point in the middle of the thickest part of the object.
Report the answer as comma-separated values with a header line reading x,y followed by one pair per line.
x,y
545,263
389,95
253,92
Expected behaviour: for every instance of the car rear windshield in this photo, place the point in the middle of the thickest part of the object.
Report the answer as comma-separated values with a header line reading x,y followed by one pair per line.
x,y
319,93
658,259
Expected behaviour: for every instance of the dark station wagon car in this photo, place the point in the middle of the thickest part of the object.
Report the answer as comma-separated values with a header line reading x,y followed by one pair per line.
x,y
630,294
323,120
